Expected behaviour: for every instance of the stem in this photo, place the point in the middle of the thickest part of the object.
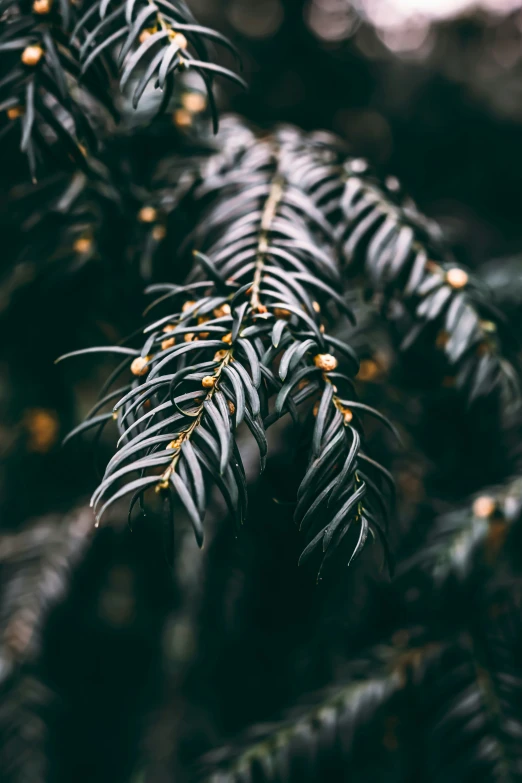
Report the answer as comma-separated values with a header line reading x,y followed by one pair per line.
x,y
269,213
186,434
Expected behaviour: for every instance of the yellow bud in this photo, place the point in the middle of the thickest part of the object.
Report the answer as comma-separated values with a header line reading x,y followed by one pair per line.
x,y
180,40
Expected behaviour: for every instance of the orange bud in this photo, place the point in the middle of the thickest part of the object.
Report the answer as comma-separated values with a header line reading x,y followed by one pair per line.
x,y
182,118
222,310
168,343
147,215
159,233
325,362
42,6
32,55
140,365
194,101
457,278
484,507
82,245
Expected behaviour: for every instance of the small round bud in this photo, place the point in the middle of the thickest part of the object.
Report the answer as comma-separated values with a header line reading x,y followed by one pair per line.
x,y
147,215
261,309
231,407
189,337
303,383
188,305
140,365
219,355
42,6
159,233
144,35
325,362
32,55
359,165
180,40
204,335
316,306
392,183
208,382
222,310
168,343
82,245
484,507
169,328
194,102
227,338
182,118
457,278
368,370
14,112
280,312
347,415
315,409
202,320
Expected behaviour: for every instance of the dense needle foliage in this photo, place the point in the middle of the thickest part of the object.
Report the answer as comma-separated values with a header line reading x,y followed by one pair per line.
x,y
301,557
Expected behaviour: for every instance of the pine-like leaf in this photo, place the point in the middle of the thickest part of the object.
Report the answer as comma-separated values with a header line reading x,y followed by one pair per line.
x,y
268,283
40,91
36,563
154,41
422,288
